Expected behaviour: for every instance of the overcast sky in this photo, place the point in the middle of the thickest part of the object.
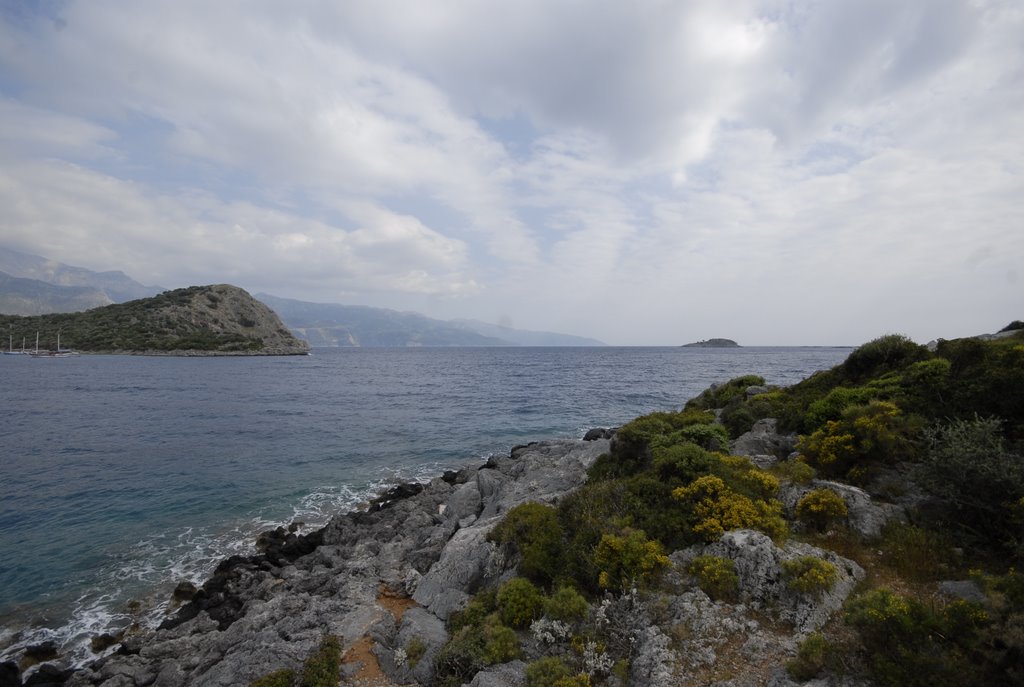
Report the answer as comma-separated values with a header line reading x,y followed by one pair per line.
x,y
777,172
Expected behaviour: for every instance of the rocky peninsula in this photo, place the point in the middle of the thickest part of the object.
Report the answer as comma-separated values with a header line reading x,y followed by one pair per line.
x,y
219,319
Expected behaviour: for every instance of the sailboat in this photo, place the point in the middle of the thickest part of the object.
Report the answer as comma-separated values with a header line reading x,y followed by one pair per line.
x,y
59,353
11,350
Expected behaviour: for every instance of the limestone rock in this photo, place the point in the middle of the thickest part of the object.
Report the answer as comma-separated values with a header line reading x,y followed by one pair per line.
x,y
762,583
966,590
267,612
505,675
763,443
418,629
655,660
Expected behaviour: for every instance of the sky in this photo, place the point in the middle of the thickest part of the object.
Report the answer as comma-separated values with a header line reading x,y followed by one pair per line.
x,y
778,172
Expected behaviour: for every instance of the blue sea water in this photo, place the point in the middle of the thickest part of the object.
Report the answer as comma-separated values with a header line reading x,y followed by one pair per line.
x,y
121,476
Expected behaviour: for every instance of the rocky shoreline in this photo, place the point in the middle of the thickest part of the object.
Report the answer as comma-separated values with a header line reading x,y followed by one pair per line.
x,y
396,570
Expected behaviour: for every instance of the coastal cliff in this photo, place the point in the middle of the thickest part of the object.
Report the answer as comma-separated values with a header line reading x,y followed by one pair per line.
x,y
219,319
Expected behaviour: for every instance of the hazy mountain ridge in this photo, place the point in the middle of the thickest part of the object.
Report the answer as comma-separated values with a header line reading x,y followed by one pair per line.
x,y
333,324
22,296
114,286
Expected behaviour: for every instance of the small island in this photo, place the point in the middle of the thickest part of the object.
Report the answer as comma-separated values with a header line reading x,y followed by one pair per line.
x,y
713,343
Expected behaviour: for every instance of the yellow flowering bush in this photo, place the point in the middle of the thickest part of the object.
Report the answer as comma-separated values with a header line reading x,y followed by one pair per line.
x,y
718,508
821,506
745,477
872,433
809,574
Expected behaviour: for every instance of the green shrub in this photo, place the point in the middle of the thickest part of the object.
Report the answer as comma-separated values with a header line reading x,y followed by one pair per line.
x,y
323,668
475,612
916,553
628,559
546,672
968,466
719,395
712,437
581,680
534,530
683,462
820,507
810,658
884,354
502,644
739,418
795,470
716,576
519,602
462,657
649,506
414,651
910,644
279,678
566,604
832,405
585,515
809,574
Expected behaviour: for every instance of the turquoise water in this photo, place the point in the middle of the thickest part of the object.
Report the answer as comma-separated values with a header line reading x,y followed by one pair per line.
x,y
122,475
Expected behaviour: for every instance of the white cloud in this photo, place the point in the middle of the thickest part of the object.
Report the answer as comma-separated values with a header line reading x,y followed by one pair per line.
x,y
679,167
80,217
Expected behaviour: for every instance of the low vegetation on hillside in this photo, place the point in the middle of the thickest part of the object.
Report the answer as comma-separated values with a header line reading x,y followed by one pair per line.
x,y
221,318
895,418
951,421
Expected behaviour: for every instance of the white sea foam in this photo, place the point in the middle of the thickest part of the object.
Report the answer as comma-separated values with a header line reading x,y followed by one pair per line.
x,y
134,590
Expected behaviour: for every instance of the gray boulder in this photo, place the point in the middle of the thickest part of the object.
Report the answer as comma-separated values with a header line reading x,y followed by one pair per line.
x,y
408,656
511,674
763,444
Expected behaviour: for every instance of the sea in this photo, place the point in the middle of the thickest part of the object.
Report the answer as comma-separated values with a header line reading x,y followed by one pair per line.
x,y
121,476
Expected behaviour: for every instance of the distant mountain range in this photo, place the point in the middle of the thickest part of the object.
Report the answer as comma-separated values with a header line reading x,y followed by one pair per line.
x,y
34,285
331,324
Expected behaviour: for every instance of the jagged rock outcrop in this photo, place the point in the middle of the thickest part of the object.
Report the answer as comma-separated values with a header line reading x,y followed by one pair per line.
x,y
763,444
268,612
762,582
427,546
